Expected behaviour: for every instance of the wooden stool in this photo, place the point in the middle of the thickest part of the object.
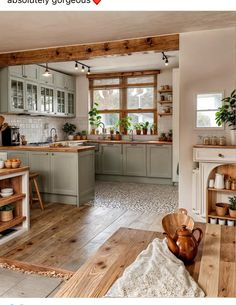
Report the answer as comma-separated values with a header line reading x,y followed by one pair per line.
x,y
33,179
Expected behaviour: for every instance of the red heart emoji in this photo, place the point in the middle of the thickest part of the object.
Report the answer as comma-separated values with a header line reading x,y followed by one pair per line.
x,y
97,1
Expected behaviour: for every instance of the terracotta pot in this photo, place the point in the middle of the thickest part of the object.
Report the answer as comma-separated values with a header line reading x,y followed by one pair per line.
x,y
145,131
117,137
6,215
138,132
221,209
84,137
232,213
78,137
93,131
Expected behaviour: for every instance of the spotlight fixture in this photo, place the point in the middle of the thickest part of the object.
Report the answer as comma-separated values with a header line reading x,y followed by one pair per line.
x,y
165,58
83,67
47,72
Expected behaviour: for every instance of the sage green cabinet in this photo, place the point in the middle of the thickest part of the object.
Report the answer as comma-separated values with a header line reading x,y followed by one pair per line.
x,y
22,155
111,159
64,176
98,162
159,161
40,162
26,71
134,160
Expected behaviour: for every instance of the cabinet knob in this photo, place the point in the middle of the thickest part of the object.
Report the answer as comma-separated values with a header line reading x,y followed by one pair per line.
x,y
220,155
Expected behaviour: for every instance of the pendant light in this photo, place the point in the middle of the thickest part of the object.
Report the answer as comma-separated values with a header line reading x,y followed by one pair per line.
x,y
47,72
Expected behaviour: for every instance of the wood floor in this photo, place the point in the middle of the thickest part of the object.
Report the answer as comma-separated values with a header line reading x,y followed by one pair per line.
x,y
65,236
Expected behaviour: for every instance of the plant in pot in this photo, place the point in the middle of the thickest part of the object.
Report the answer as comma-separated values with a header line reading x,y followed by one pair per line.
x,y
125,124
227,114
152,128
69,129
138,128
117,136
6,212
78,136
232,208
169,135
84,134
94,118
145,127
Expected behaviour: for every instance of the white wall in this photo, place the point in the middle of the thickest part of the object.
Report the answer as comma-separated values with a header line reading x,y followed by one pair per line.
x,y
207,64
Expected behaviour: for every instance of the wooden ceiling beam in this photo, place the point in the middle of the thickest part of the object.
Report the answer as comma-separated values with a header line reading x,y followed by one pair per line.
x,y
161,43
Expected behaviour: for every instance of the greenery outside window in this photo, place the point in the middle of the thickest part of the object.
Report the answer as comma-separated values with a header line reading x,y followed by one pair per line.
x,y
207,105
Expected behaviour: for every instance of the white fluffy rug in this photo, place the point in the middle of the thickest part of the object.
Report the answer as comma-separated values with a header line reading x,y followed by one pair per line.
x,y
156,272
153,198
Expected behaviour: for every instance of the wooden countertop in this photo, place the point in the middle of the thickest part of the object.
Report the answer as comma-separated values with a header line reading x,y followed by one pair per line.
x,y
70,149
8,171
128,142
213,268
214,146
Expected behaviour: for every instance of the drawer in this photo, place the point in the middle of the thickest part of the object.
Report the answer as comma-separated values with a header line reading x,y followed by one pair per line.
x,y
221,155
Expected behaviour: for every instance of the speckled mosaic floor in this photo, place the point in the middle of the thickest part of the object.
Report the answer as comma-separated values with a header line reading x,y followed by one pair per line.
x,y
137,197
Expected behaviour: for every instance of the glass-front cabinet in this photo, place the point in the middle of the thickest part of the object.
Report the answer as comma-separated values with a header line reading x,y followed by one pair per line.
x,y
61,102
70,104
47,100
31,97
16,95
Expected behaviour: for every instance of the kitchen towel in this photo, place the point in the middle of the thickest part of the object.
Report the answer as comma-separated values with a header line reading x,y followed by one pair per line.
x,y
156,272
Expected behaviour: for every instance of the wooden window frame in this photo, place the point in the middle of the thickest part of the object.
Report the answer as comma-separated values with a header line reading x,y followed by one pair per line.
x,y
123,86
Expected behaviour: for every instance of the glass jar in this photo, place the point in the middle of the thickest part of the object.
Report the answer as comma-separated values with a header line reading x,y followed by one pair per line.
x,y
213,140
206,140
233,185
222,141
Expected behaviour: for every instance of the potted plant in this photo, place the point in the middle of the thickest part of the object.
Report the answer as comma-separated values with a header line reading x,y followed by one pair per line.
x,y
152,128
138,128
69,129
169,135
125,124
227,114
145,127
117,136
78,136
94,118
221,209
84,134
6,212
163,137
232,208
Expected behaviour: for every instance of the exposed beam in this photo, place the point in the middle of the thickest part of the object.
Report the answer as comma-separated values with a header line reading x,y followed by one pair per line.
x,y
87,51
120,74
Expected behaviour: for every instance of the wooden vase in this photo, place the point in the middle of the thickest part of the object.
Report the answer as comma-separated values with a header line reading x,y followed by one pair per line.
x,y
6,215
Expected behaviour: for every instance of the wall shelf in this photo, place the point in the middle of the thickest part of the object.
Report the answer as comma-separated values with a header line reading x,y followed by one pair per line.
x,y
212,214
222,190
9,224
164,91
164,114
164,102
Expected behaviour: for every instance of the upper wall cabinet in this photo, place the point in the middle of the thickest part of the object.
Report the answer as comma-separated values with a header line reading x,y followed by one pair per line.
x,y
24,89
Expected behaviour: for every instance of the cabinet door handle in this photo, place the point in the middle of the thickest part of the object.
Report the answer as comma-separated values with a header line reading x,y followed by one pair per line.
x,y
220,155
52,154
47,154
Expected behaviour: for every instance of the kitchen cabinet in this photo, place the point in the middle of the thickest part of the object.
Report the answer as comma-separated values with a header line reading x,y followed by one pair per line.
x,y
40,162
47,99
70,110
16,71
22,155
26,71
61,102
17,95
64,176
159,161
111,159
134,160
31,97
64,81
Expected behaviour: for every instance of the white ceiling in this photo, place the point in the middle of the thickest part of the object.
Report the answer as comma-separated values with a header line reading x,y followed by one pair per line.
x,y
134,62
32,30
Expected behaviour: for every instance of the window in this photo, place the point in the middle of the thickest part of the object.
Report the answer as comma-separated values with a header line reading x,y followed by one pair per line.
x,y
125,94
207,105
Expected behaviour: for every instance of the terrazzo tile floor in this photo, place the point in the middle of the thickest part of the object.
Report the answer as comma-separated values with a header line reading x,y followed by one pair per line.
x,y
148,198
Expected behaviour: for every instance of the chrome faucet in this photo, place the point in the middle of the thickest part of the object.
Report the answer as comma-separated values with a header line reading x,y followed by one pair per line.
x,y
131,135
103,130
53,138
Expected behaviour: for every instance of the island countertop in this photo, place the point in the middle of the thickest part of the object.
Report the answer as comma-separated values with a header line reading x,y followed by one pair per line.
x,y
69,149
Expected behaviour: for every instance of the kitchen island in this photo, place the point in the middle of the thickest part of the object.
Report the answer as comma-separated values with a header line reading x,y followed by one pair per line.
x,y
67,174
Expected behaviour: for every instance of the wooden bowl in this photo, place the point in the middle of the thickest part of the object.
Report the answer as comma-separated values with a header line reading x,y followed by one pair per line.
x,y
8,164
172,222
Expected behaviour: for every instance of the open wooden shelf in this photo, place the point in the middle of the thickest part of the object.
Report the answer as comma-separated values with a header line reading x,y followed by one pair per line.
x,y
9,224
165,91
212,214
164,102
221,190
10,199
164,114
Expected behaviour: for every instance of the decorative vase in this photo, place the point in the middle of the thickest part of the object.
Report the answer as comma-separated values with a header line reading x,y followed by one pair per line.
x,y
233,136
232,213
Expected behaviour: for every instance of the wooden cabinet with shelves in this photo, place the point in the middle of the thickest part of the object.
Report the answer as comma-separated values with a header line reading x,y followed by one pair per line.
x,y
215,196
18,180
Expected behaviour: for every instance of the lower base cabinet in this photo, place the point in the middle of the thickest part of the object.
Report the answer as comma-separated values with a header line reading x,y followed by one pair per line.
x,y
111,159
134,160
159,162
